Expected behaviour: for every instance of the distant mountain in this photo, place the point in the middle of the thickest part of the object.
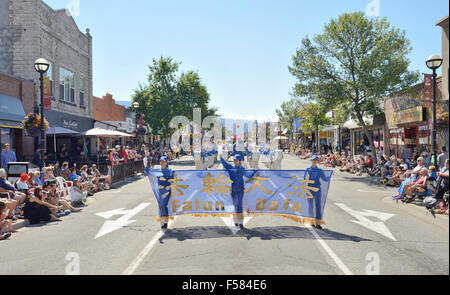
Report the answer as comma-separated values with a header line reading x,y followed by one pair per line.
x,y
126,104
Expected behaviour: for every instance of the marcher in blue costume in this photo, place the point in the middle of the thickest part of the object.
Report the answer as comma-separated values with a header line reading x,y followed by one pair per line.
x,y
315,173
237,174
164,175
236,152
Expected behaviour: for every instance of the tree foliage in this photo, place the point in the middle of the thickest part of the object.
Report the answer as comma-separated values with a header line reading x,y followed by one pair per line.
x,y
314,116
289,111
168,95
354,62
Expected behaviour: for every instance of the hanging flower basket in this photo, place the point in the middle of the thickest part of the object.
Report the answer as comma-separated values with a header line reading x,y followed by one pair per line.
x,y
32,124
443,118
34,132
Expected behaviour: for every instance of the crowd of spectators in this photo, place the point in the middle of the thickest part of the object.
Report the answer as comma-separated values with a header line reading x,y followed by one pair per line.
x,y
63,187
418,181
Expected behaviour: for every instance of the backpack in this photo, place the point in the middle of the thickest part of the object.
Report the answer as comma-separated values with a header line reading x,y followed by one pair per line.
x,y
429,202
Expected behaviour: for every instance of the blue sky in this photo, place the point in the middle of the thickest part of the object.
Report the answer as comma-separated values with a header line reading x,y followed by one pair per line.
x,y
240,48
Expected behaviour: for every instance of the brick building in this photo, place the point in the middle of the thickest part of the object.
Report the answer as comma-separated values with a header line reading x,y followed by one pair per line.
x,y
30,29
105,109
17,99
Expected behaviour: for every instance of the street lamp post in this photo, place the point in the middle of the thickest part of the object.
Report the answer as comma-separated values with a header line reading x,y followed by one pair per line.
x,y
41,66
135,107
434,62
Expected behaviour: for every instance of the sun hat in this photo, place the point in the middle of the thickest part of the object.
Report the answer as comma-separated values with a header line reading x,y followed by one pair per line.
x,y
24,177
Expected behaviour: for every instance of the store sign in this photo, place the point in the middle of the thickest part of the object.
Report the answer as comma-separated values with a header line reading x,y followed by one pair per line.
x,y
47,95
408,116
427,90
72,124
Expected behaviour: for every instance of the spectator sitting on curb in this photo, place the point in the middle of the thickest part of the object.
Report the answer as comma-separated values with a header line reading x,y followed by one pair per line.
x,y
37,210
22,183
410,180
7,187
54,199
31,181
99,176
6,228
85,177
78,193
65,173
37,178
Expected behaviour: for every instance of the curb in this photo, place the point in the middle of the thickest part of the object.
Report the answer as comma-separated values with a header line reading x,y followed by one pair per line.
x,y
20,223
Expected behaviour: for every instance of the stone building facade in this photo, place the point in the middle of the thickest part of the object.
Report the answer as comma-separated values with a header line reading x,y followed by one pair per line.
x,y
30,29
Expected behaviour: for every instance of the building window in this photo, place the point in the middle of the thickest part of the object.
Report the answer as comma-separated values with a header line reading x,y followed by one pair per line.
x,y
50,77
66,85
82,91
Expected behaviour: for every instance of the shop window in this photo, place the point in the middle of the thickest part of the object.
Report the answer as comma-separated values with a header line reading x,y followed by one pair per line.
x,y
393,142
66,85
424,138
8,135
82,91
400,142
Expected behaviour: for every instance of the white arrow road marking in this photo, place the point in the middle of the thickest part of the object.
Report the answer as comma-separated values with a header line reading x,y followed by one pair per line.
x,y
141,256
112,225
378,227
109,214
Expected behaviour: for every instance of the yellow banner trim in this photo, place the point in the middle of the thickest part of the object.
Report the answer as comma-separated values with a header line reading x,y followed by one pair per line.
x,y
299,219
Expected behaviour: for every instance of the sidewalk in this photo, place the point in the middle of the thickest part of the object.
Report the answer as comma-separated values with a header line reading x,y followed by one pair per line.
x,y
20,223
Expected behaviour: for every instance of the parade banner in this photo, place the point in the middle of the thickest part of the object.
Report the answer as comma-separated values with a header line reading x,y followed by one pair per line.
x,y
294,194
298,125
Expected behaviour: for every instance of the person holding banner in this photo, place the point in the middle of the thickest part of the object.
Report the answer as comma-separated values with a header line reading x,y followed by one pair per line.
x,y
236,152
315,174
237,174
163,185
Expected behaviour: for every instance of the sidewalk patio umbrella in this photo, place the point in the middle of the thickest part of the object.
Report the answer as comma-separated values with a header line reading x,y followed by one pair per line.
x,y
280,138
56,130
99,132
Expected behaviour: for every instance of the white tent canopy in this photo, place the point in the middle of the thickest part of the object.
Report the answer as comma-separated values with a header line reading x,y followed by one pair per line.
x,y
104,133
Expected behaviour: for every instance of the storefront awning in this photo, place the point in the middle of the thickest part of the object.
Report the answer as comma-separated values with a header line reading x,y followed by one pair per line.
x,y
328,128
352,124
11,112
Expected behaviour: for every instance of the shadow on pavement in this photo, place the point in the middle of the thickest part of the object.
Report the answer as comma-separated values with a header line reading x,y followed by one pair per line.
x,y
264,233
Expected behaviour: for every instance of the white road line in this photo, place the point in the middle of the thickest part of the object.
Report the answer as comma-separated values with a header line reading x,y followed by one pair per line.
x,y
330,252
141,256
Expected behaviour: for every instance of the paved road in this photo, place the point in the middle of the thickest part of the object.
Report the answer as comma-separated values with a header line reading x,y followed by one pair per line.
x,y
396,239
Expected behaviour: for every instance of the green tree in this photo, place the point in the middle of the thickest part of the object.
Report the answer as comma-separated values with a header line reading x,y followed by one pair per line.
x,y
354,62
168,95
191,93
314,116
289,111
